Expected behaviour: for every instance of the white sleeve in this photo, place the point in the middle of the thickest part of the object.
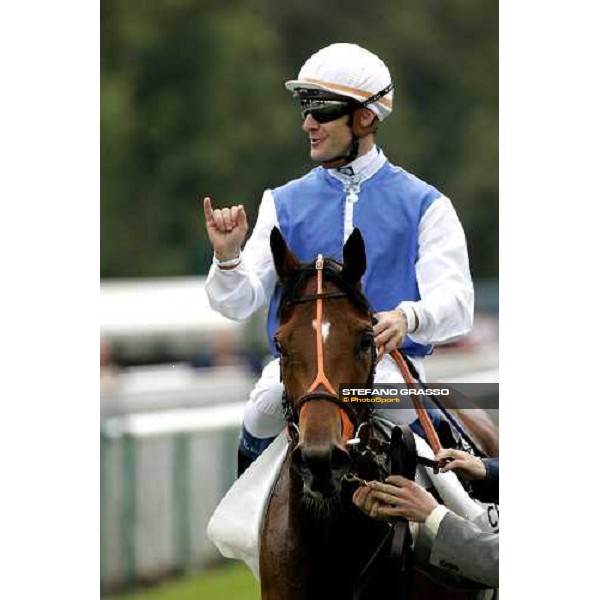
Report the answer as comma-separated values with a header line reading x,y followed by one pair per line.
x,y
237,293
445,311
432,522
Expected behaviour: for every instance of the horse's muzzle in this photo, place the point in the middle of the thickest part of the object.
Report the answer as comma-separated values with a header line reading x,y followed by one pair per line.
x,y
321,469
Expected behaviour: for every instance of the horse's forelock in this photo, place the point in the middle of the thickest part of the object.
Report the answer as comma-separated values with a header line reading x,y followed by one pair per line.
x,y
333,272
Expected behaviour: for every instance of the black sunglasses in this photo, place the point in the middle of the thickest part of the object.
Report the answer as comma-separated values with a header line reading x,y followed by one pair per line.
x,y
324,113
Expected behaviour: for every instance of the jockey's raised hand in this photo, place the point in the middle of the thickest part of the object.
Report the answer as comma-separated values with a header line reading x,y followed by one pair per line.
x,y
226,228
390,329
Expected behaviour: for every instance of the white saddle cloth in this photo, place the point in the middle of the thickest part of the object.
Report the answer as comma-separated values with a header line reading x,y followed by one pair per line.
x,y
236,524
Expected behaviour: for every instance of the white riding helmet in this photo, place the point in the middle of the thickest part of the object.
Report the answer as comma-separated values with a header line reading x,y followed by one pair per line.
x,y
351,71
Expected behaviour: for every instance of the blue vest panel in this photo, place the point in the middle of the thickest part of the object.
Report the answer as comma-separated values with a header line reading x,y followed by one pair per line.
x,y
390,205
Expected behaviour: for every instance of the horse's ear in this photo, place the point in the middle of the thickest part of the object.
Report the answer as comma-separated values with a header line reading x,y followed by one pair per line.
x,y
355,258
285,260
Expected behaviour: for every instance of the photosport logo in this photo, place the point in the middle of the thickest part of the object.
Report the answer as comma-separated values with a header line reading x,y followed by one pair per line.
x,y
400,395
388,393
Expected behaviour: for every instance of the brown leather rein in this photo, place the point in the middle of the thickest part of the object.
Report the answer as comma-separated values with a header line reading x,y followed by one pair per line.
x,y
422,414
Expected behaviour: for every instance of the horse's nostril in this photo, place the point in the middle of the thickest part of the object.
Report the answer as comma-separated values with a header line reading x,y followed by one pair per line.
x,y
320,465
340,459
297,460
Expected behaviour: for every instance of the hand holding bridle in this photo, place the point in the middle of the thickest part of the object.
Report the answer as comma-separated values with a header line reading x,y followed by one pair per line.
x,y
364,499
401,497
226,228
462,463
389,331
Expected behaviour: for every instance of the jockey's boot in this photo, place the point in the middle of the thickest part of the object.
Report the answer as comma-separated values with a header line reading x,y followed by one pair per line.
x,y
250,448
243,462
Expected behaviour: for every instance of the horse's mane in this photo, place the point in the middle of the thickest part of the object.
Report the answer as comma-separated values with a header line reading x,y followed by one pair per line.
x,y
332,271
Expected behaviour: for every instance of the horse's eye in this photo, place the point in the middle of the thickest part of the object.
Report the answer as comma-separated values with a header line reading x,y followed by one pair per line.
x,y
278,346
366,340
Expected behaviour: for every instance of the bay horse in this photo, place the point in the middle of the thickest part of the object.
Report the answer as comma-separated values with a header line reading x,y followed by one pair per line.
x,y
315,544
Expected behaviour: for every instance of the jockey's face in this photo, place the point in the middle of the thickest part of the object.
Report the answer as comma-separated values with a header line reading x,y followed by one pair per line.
x,y
327,140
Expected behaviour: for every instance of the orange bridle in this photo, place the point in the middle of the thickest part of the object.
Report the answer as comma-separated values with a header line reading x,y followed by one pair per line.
x,y
321,378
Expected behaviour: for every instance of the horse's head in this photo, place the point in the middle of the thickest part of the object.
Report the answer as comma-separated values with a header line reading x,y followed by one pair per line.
x,y
325,338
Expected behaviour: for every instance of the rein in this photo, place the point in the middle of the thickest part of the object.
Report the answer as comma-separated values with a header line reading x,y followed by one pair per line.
x,y
454,422
422,415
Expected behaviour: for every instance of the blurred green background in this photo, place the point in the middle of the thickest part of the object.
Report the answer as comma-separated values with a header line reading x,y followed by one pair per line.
x,y
193,103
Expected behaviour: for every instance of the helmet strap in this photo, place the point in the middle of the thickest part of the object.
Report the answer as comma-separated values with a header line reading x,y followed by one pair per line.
x,y
358,131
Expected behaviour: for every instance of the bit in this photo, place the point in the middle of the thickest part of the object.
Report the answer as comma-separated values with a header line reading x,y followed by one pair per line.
x,y
354,479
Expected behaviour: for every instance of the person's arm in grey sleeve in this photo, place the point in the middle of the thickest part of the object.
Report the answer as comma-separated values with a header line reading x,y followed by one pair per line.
x,y
237,292
463,549
445,311
400,497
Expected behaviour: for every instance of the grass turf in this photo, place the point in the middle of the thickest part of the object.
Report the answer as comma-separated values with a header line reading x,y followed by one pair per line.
x,y
232,582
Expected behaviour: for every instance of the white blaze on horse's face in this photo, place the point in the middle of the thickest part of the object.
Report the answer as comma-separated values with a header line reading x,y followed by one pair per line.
x,y
325,325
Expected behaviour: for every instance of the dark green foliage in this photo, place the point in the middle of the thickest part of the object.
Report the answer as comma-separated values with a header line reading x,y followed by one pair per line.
x,y
193,104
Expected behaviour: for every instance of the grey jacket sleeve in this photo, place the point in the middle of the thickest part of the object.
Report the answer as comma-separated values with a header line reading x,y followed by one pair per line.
x,y
467,551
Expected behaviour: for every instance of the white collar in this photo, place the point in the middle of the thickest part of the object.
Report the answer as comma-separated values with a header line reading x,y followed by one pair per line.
x,y
362,168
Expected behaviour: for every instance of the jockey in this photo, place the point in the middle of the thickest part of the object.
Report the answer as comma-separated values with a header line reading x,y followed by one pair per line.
x,y
417,278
